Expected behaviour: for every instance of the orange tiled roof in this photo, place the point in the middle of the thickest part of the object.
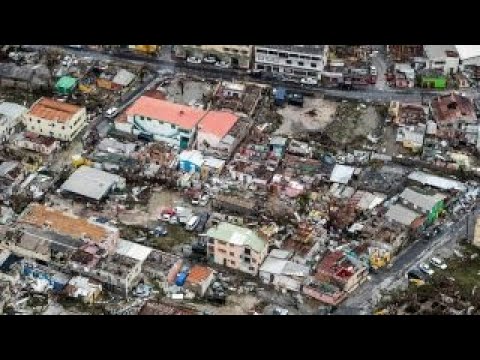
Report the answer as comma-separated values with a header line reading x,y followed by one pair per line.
x,y
50,109
63,223
184,116
198,274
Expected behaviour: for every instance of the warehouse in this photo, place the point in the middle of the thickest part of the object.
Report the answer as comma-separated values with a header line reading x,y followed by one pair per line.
x,y
92,183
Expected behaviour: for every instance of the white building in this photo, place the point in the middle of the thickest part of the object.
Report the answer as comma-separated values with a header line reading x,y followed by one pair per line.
x,y
55,119
10,116
292,60
443,57
469,54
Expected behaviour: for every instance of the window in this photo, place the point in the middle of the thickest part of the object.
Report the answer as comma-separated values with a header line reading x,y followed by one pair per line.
x,y
222,251
315,58
51,133
283,55
254,261
232,253
244,52
314,65
260,67
247,251
63,127
226,49
211,241
38,121
300,63
251,268
288,62
172,126
222,242
232,263
260,51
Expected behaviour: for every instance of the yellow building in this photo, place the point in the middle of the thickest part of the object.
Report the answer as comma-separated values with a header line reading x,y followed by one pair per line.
x,y
476,233
55,119
239,56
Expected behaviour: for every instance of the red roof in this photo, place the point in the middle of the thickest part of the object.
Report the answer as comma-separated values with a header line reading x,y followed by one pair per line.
x,y
183,116
218,123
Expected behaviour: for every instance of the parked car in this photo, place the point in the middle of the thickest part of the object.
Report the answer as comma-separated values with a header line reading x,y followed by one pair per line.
x,y
425,268
195,200
280,311
210,60
204,199
194,60
438,263
159,231
222,64
111,112
308,81
202,222
373,70
192,223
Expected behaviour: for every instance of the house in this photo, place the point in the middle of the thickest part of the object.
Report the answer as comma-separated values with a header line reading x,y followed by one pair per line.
x,y
11,176
292,60
427,203
238,56
5,295
342,174
456,118
407,114
11,115
118,273
199,279
236,247
33,270
341,270
92,183
278,145
469,55
404,53
55,119
31,141
220,132
442,57
212,166
476,233
411,137
399,214
190,160
84,288
279,270
123,78
435,181
162,120
66,85
432,79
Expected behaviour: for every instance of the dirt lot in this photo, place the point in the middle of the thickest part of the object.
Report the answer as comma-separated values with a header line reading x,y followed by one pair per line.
x,y
315,115
352,122
192,91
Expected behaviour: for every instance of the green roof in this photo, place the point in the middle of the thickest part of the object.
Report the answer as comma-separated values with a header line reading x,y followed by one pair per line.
x,y
66,82
237,235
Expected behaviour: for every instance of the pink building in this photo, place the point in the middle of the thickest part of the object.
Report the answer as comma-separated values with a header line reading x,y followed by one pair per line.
x,y
236,247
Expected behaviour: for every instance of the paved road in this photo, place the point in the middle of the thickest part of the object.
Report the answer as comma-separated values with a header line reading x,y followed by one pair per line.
x,y
364,299
379,62
165,62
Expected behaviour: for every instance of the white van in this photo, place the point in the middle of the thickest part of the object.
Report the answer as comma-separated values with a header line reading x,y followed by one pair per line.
x,y
192,223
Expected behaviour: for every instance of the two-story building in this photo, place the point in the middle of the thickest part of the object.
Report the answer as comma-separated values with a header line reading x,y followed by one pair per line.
x,y
238,56
236,247
292,60
162,120
55,119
